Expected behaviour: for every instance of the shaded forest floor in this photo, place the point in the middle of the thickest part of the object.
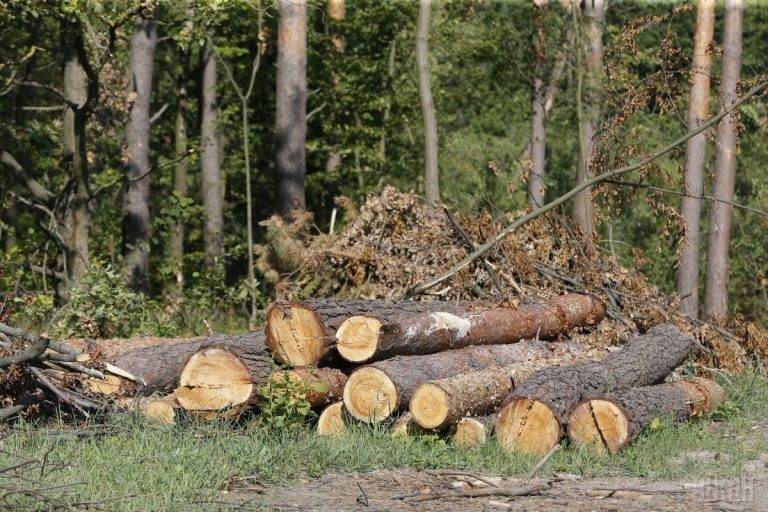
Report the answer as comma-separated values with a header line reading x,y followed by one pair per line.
x,y
131,465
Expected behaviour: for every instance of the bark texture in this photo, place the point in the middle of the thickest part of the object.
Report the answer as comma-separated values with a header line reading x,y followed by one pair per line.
x,y
536,187
160,366
431,177
291,105
721,214
695,155
407,373
323,385
210,159
136,200
405,331
594,10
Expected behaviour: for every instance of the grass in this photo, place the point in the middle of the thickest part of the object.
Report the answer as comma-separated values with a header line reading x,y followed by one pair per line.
x,y
153,467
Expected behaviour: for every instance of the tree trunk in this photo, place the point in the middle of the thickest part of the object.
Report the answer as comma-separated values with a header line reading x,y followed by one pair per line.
x,y
78,88
400,330
612,421
440,403
210,161
376,391
180,189
583,210
471,432
533,419
695,154
431,177
291,105
321,385
136,222
721,214
536,186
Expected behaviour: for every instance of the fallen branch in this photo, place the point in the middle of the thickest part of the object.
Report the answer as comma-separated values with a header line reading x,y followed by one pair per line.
x,y
486,491
38,346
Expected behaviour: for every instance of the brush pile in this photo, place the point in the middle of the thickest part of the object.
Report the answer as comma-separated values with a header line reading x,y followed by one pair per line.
x,y
523,343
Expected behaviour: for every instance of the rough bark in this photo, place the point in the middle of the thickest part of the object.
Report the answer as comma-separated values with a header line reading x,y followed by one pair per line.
x,y
583,210
612,421
302,333
322,385
400,330
136,201
721,213
431,177
291,105
180,190
160,366
375,391
471,432
536,187
210,159
695,155
533,419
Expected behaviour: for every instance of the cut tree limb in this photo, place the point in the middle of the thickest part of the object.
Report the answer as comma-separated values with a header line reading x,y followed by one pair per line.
x,y
471,432
406,426
331,421
375,391
400,331
533,418
322,385
612,421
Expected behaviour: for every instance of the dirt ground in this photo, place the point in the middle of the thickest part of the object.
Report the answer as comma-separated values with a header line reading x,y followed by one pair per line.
x,y
405,489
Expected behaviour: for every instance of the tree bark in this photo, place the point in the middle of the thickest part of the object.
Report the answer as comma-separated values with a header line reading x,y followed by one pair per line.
x,y
376,391
583,210
180,190
398,329
536,186
721,214
210,161
695,155
136,200
533,419
612,421
322,385
431,177
291,105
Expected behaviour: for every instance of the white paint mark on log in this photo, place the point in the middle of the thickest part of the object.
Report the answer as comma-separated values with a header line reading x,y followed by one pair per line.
x,y
448,321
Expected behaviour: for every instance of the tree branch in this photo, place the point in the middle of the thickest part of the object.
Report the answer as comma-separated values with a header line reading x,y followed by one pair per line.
x,y
37,189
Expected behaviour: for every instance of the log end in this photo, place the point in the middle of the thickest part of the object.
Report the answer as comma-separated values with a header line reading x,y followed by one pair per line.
x,y
370,395
405,426
358,337
703,394
599,424
295,335
214,380
331,421
527,426
110,385
160,411
430,406
469,433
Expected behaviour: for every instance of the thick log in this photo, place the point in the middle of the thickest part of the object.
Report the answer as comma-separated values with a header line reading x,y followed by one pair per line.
x,y
471,432
399,330
303,333
440,403
331,421
223,379
161,409
322,385
532,419
376,391
612,421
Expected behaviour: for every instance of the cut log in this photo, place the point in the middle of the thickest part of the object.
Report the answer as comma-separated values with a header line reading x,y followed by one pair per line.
x,y
322,385
331,420
221,381
533,418
376,391
473,432
302,333
610,422
393,331
406,426
440,403
161,409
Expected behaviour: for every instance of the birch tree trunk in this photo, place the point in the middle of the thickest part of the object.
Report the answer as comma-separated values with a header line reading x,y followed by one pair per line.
x,y
695,154
583,210
210,161
136,199
721,214
431,177
291,105
536,188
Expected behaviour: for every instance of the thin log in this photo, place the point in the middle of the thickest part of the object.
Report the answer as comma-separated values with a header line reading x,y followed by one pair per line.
x,y
397,330
533,418
471,432
331,421
322,385
406,426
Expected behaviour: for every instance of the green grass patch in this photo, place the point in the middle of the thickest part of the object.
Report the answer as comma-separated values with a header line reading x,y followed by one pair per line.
x,y
184,466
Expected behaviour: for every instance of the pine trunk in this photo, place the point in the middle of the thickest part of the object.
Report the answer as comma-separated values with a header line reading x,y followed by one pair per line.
x,y
536,187
180,189
210,159
431,176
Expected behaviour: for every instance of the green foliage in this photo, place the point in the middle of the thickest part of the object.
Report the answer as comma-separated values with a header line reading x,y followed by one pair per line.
x,y
284,404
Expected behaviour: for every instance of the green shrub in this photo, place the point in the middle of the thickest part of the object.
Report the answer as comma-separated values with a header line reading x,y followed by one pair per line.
x,y
284,404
